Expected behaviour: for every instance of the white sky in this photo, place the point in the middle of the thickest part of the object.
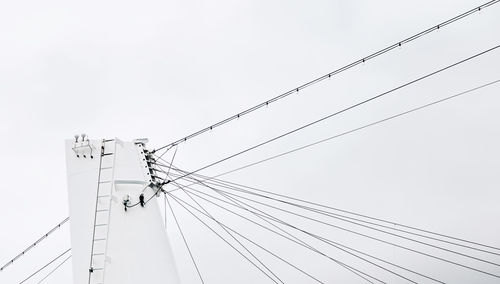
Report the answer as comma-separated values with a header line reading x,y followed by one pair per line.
x,y
162,70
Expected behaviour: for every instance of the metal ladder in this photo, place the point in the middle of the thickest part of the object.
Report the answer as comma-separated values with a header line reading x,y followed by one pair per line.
x,y
102,213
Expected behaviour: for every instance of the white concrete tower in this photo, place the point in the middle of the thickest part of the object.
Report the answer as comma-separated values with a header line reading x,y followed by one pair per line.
x,y
111,245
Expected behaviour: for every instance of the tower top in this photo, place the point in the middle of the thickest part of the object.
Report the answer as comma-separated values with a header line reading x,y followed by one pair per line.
x,y
108,241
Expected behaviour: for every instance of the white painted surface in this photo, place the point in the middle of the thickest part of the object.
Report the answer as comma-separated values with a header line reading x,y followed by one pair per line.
x,y
82,188
120,72
137,248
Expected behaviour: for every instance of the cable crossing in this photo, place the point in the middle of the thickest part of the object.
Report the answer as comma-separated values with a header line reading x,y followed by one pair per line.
x,y
185,241
256,206
240,202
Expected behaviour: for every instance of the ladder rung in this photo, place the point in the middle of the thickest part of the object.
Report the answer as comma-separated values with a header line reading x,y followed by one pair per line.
x,y
95,240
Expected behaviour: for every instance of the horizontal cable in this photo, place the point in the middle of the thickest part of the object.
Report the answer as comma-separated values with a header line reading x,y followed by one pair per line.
x,y
336,261
43,267
180,186
53,270
218,205
35,243
363,216
254,213
348,268
340,217
386,242
358,129
276,256
234,238
331,214
365,226
343,110
227,242
185,241
312,235
329,75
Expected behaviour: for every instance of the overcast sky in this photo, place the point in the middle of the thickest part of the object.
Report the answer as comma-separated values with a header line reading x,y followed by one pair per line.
x,y
163,69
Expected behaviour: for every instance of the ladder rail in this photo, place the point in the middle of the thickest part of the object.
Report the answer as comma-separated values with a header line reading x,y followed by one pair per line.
x,y
95,211
109,211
